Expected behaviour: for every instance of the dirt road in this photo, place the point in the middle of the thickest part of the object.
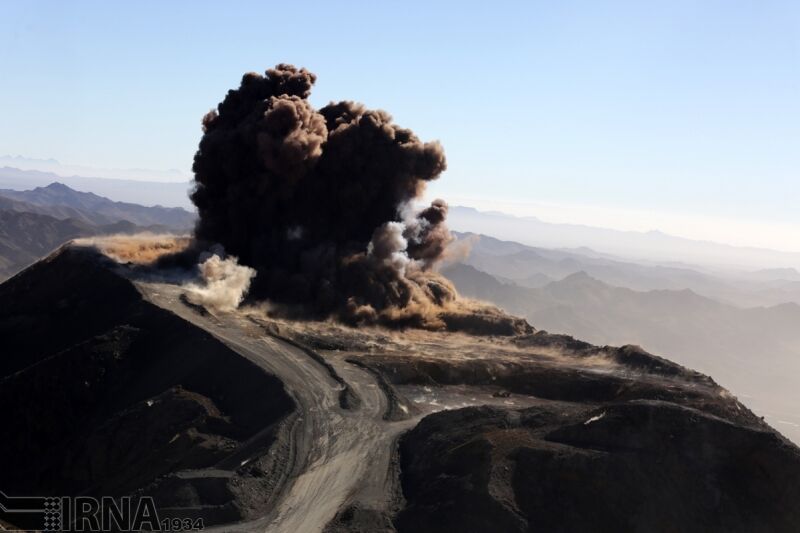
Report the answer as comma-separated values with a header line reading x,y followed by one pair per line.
x,y
339,456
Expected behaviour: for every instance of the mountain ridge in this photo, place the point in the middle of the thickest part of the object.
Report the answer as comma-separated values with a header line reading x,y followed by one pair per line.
x,y
146,193
752,351
33,223
636,245
101,210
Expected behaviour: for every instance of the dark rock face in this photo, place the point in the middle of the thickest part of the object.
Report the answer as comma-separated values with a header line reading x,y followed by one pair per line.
x,y
105,393
639,466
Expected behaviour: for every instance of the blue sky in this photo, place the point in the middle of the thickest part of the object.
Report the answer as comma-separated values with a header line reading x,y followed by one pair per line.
x,y
678,115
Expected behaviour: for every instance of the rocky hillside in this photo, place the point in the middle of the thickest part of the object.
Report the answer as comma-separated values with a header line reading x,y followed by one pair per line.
x,y
640,465
106,394
545,433
755,352
100,210
114,384
34,223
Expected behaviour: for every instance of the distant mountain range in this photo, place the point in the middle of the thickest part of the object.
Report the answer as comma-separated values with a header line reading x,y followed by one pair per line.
x,y
753,351
62,169
99,210
171,189
146,193
535,267
651,246
34,222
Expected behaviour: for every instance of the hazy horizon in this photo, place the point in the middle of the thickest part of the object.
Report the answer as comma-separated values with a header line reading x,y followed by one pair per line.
x,y
681,117
132,185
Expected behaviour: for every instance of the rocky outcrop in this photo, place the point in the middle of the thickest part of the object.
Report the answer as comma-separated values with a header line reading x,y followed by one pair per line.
x,y
638,466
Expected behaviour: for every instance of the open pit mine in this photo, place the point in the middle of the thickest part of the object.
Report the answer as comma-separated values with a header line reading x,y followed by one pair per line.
x,y
115,383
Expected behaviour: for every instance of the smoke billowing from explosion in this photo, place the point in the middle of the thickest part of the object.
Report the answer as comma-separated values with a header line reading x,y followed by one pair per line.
x,y
317,201
224,282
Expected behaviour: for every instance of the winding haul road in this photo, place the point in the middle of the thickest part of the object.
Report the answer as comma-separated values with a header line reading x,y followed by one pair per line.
x,y
338,456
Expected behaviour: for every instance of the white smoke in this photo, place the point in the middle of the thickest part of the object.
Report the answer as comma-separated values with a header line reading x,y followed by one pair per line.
x,y
413,226
224,282
389,246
